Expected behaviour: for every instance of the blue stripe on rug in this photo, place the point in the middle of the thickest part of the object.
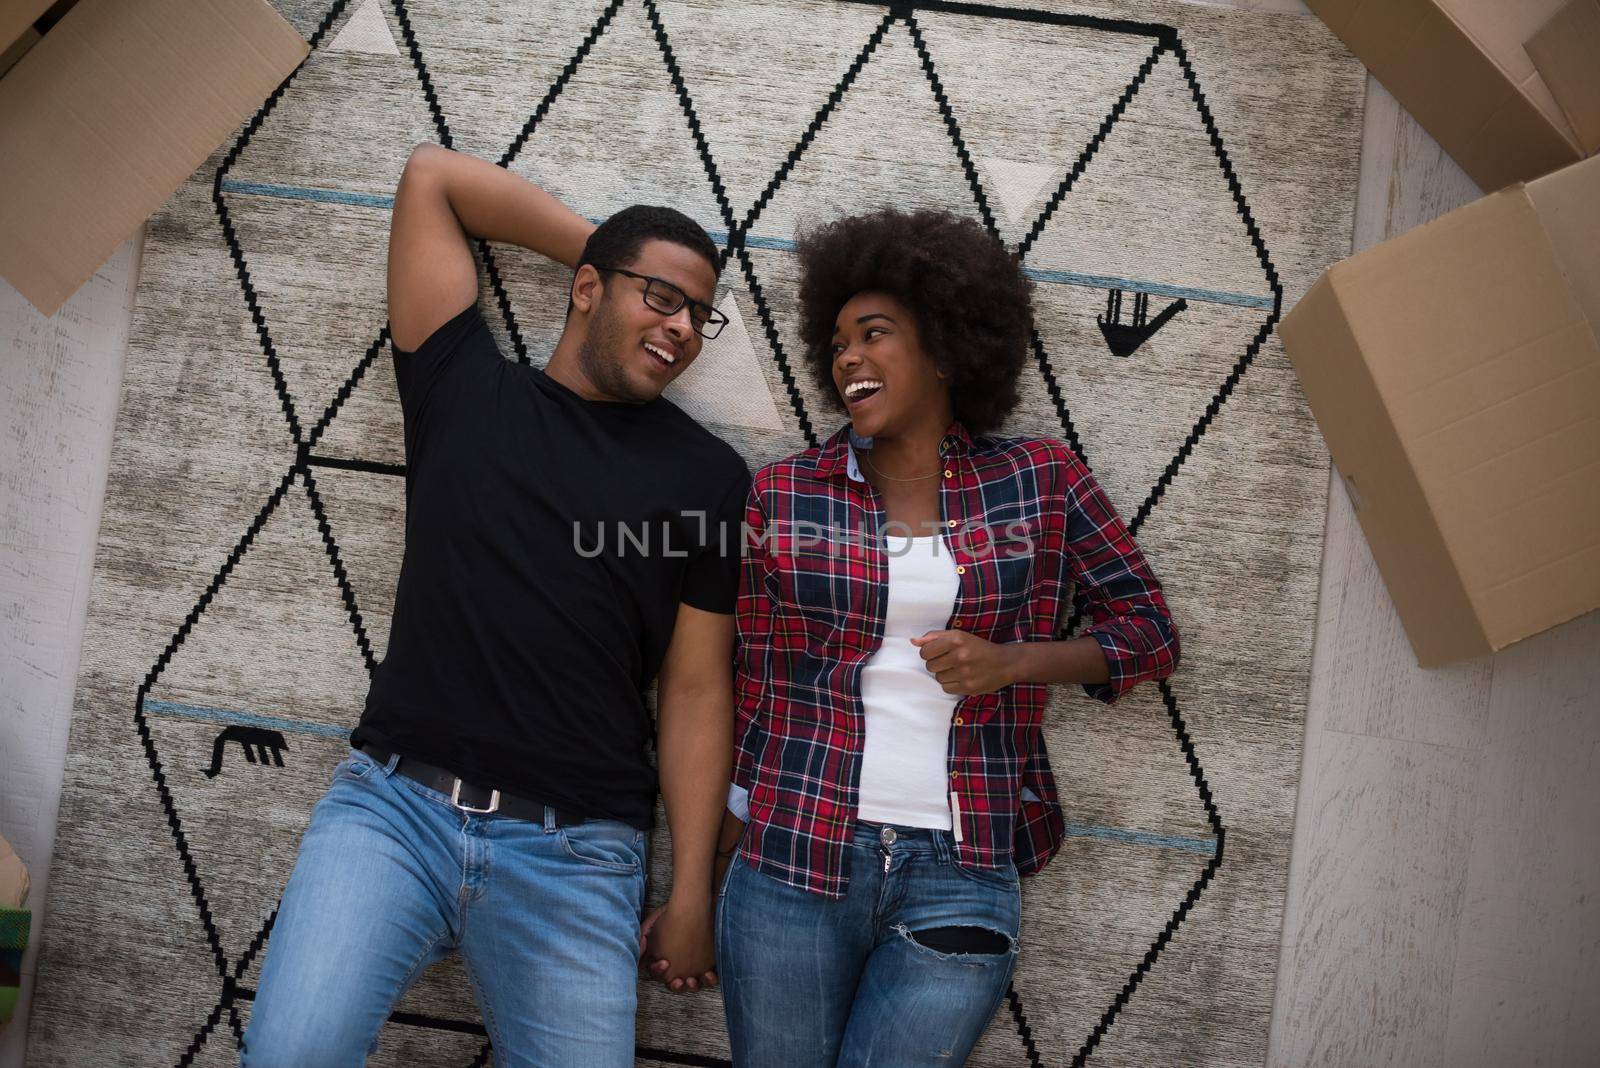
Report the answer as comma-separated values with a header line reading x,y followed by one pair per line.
x,y
251,719
1205,846
298,726
1038,274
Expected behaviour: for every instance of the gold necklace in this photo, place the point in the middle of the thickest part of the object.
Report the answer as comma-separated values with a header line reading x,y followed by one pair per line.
x,y
891,478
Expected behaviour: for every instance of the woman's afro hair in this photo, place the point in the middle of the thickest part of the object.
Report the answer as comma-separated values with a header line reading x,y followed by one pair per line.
x,y
969,295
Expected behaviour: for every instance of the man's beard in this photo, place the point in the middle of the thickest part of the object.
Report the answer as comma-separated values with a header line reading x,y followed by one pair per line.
x,y
603,358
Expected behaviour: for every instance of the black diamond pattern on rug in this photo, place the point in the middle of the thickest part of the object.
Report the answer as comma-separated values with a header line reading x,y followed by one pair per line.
x,y
187,753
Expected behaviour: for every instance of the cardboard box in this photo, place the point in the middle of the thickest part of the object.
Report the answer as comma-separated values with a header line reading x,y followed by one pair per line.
x,y
13,878
106,115
13,52
17,18
1566,53
1455,374
1461,69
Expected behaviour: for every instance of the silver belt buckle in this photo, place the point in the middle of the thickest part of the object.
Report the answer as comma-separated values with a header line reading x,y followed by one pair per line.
x,y
455,799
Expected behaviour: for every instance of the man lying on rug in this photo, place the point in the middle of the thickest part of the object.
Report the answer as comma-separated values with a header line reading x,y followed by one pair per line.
x,y
498,795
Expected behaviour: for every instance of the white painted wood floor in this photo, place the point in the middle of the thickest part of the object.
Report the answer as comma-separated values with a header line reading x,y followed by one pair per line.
x,y
1444,891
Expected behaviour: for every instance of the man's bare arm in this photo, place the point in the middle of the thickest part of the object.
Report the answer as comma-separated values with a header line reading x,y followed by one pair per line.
x,y
444,199
694,746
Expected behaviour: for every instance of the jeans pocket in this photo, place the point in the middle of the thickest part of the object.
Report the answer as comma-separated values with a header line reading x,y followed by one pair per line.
x,y
608,844
355,766
1002,878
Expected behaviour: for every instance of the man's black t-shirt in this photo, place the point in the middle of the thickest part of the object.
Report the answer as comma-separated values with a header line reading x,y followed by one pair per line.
x,y
549,541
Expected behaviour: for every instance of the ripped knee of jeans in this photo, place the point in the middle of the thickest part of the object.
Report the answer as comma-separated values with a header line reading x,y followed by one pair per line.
x,y
962,940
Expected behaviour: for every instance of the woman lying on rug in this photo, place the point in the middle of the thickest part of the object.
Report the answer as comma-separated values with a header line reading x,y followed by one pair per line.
x,y
890,781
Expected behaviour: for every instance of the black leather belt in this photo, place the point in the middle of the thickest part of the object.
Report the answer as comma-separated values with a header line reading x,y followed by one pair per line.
x,y
465,796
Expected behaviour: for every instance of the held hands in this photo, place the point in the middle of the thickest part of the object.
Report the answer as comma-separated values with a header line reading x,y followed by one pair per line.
x,y
965,664
675,945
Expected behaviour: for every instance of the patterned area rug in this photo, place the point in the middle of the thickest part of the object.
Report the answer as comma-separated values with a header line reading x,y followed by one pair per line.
x,y
1174,183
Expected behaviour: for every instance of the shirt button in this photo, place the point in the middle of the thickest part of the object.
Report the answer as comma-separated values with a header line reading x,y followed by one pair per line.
x,y
955,775
959,721
961,569
949,473
952,524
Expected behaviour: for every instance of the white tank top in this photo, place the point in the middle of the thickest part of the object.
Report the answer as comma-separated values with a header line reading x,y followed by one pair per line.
x,y
905,763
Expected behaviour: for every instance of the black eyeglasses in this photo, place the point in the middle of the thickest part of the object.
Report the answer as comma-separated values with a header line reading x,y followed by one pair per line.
x,y
662,296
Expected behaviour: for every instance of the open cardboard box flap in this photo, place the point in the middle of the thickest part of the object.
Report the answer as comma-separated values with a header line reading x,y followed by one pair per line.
x,y
1455,374
1566,52
1462,68
110,112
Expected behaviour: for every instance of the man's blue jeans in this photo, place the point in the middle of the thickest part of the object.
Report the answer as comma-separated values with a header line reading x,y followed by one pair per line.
x,y
391,877
813,982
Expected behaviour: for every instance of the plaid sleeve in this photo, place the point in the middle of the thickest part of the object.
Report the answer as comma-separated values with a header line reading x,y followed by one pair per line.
x,y
1116,589
752,640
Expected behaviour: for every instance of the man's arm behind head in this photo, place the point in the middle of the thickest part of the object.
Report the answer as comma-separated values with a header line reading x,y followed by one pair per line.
x,y
445,199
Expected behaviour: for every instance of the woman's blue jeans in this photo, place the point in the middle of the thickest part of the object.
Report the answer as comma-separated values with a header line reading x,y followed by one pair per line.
x,y
813,982
391,877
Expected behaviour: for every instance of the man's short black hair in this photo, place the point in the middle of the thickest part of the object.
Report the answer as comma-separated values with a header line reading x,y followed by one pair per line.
x,y
617,241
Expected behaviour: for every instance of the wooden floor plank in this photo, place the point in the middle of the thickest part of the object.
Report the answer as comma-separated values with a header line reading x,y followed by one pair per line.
x,y
1383,837
60,381
1526,988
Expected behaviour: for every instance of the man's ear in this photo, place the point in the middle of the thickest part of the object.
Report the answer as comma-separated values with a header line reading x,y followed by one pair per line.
x,y
587,286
